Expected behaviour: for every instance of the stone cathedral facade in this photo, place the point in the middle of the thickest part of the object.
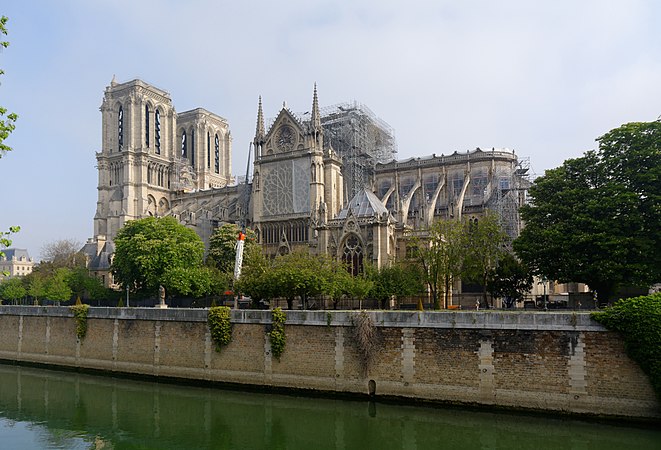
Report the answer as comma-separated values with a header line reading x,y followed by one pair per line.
x,y
157,162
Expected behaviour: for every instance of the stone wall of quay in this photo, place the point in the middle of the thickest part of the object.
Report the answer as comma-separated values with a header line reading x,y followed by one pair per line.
x,y
561,362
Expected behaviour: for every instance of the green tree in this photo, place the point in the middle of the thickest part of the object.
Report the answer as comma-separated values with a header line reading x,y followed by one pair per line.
x,y
149,250
57,286
12,289
190,281
485,245
511,279
597,219
441,258
222,247
396,281
85,286
254,280
359,287
300,274
5,241
36,286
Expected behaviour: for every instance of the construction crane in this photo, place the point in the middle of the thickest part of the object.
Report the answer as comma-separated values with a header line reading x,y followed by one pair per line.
x,y
243,221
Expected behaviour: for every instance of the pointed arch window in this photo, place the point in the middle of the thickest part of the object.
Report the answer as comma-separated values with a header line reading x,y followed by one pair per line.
x,y
120,127
183,144
157,131
217,155
352,255
208,150
192,148
146,125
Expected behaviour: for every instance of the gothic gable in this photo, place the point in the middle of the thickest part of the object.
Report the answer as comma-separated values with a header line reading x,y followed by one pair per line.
x,y
287,134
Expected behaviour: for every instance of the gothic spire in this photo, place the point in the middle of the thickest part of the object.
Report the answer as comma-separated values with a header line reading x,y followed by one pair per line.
x,y
260,130
316,117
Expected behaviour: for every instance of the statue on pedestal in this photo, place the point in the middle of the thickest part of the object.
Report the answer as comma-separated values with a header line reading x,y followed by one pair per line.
x,y
161,297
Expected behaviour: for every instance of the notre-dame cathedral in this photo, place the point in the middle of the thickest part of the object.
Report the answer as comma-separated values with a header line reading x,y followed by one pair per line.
x,y
326,181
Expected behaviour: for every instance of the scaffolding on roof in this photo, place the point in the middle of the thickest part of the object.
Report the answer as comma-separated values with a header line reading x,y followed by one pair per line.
x,y
360,138
508,194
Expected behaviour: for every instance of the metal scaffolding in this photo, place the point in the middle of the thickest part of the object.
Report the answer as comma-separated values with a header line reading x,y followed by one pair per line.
x,y
508,194
360,138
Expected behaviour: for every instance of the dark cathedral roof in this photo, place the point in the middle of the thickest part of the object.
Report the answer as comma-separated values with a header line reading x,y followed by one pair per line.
x,y
364,204
100,261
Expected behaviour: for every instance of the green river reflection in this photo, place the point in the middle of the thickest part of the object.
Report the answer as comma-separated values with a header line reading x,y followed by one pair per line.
x,y
43,409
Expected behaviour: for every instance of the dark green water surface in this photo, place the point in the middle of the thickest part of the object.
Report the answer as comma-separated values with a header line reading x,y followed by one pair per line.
x,y
44,409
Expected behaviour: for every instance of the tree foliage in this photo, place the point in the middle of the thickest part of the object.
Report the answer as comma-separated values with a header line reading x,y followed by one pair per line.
x,y
396,281
7,121
220,325
7,125
639,321
301,275
222,247
153,251
510,279
467,249
12,289
57,286
36,286
486,245
85,286
597,219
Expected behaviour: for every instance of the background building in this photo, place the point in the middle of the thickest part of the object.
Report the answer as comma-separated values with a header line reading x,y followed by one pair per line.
x,y
16,262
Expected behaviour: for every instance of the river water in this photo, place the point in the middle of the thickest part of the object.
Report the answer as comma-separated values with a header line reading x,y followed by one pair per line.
x,y
45,409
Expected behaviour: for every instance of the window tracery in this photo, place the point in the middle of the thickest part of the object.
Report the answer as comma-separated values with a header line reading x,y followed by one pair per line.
x,y
157,131
352,254
217,155
120,127
208,150
192,148
147,125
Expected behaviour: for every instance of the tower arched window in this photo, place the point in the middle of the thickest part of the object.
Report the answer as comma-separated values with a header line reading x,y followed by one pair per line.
x,y
146,125
217,155
208,150
120,127
352,255
192,148
157,131
183,144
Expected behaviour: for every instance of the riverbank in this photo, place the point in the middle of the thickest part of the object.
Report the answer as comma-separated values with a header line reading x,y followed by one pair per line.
x,y
560,362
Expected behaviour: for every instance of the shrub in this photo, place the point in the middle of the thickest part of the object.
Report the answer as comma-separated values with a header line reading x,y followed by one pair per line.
x,y
639,321
277,334
80,314
219,325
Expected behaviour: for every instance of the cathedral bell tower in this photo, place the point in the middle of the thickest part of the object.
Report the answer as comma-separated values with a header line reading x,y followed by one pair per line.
x,y
135,162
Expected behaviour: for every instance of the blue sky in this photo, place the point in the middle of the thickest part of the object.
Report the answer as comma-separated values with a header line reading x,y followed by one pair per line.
x,y
544,78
